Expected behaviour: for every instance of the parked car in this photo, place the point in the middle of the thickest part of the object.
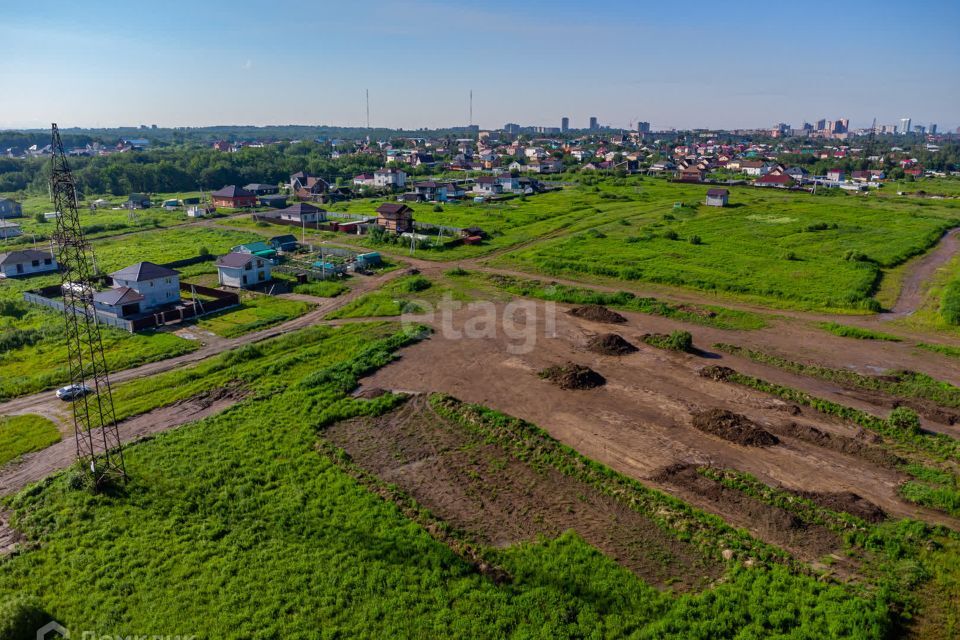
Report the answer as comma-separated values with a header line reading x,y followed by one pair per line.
x,y
73,391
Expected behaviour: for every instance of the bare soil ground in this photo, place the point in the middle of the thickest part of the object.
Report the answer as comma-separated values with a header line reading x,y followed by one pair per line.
x,y
807,542
733,427
499,500
640,421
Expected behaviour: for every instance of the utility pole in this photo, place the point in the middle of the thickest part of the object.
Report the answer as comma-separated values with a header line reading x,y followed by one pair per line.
x,y
94,419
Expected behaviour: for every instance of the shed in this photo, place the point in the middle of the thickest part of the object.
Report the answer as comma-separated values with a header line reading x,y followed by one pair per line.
x,y
286,242
717,197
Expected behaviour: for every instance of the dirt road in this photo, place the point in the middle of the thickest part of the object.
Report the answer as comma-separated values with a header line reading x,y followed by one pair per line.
x,y
919,273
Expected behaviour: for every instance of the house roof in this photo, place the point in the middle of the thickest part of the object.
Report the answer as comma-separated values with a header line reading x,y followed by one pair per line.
x,y
284,239
390,209
256,186
232,191
251,247
235,260
775,179
117,296
302,209
143,271
27,255
717,193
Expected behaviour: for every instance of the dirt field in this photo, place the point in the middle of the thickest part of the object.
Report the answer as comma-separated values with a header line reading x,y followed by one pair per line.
x,y
640,421
499,500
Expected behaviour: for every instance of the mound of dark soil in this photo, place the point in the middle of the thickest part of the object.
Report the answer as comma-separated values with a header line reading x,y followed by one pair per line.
x,y
848,502
733,427
610,344
573,376
716,372
597,313
862,446
370,394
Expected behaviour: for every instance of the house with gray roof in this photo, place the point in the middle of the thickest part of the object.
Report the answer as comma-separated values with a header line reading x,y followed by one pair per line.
x,y
26,262
242,270
158,285
10,208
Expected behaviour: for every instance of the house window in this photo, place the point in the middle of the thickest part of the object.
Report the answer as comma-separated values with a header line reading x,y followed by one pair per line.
x,y
244,278
35,263
47,261
19,268
261,276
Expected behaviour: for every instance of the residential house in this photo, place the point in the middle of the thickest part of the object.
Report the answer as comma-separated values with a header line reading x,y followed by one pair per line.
x,y
233,197
301,213
364,180
835,175
10,208
488,186
422,159
754,167
158,286
691,173
717,197
781,180
242,270
308,187
262,189
275,201
259,248
9,230
433,191
799,174
389,178
285,242
26,262
547,165
509,182
119,301
137,201
395,217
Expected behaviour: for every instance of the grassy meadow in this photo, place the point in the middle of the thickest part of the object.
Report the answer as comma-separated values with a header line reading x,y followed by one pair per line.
x,y
256,311
25,433
782,248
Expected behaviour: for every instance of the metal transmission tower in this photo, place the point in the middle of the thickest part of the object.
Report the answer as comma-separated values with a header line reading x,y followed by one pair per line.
x,y
94,420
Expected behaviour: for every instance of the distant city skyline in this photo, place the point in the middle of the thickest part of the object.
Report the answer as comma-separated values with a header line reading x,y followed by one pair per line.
x,y
108,63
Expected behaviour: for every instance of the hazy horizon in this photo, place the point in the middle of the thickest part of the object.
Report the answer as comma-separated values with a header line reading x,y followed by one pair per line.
x,y
108,64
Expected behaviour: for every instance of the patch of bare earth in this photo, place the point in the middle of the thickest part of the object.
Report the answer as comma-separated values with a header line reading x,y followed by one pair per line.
x,y
498,500
806,541
848,502
733,427
573,376
597,313
863,446
610,344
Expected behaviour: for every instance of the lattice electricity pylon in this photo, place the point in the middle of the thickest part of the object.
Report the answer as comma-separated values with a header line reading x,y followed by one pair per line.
x,y
94,419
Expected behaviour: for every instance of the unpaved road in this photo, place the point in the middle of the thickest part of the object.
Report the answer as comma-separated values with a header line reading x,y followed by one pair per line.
x,y
35,466
911,292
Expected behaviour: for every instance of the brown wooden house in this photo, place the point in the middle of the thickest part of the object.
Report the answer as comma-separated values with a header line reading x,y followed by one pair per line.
x,y
395,217
233,197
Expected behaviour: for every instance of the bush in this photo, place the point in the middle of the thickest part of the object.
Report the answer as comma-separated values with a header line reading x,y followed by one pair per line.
x,y
695,239
456,271
905,420
671,234
21,616
437,208
40,218
790,255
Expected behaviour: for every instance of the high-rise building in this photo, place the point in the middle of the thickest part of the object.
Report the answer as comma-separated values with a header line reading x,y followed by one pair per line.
x,y
922,130
933,129
511,128
905,125
807,126
643,127
564,124
593,123
821,124
841,126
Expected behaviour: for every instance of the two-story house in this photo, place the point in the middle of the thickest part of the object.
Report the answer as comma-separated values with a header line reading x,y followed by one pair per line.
x,y
242,270
158,285
389,178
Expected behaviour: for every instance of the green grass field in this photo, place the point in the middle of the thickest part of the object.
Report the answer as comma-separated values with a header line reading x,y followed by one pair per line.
x,y
791,249
255,312
240,514
23,434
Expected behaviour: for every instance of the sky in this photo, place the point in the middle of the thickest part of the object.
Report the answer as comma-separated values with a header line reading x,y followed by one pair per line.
x,y
696,63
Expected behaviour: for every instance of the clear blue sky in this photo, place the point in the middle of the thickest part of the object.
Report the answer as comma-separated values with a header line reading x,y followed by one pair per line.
x,y
674,64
